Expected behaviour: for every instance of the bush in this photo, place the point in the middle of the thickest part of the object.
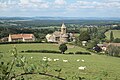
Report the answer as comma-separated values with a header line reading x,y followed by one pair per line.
x,y
70,53
19,42
63,48
113,51
40,51
84,36
84,53
117,40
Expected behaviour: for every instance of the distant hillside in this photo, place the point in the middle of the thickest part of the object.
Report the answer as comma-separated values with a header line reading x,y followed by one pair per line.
x,y
59,18
116,34
55,21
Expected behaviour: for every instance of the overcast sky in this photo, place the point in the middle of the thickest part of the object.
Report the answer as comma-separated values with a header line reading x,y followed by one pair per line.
x,y
60,8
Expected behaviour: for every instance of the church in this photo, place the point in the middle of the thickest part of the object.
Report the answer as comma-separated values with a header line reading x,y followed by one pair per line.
x,y
60,36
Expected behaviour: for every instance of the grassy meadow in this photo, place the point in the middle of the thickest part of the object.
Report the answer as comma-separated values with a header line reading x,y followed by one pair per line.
x,y
97,66
116,34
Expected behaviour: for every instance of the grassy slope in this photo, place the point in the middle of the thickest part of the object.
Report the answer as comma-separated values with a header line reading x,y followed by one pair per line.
x,y
116,34
44,46
95,64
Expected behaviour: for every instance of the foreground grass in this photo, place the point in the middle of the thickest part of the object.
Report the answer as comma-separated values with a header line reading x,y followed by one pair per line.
x,y
96,65
116,34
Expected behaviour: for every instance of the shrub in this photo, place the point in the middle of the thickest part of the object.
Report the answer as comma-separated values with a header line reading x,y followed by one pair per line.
x,y
70,53
117,40
84,53
40,51
19,42
8,70
62,48
113,51
84,36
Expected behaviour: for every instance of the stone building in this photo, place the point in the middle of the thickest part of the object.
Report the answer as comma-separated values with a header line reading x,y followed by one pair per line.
x,y
21,37
60,36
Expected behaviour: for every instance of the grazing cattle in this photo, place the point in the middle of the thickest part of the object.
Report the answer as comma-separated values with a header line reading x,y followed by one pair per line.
x,y
49,59
65,60
82,67
78,60
55,59
31,57
83,60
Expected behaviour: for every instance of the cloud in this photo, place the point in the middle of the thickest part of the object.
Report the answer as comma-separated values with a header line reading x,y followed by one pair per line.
x,y
3,5
23,4
40,4
24,1
60,2
94,4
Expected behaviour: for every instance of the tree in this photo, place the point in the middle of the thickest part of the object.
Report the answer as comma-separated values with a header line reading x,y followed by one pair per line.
x,y
91,44
101,35
84,36
117,40
111,36
113,50
62,48
8,70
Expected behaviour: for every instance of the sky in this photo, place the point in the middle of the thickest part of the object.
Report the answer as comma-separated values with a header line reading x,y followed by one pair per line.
x,y
60,8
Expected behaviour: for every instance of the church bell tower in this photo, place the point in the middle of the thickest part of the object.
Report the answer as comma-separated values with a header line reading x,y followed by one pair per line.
x,y
63,29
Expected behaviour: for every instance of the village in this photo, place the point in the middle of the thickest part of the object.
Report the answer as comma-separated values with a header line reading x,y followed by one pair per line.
x,y
61,36
61,46
59,39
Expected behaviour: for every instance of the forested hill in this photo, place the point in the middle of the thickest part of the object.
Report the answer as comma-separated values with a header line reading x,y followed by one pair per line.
x,y
46,22
60,18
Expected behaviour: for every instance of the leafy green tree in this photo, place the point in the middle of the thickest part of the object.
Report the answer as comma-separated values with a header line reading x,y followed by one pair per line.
x,y
117,40
8,69
101,35
84,36
113,51
62,48
111,36
91,44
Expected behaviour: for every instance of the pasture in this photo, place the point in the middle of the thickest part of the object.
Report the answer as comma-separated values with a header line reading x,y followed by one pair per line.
x,y
97,66
116,34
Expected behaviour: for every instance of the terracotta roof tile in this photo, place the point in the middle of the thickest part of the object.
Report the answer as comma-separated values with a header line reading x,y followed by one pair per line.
x,y
20,36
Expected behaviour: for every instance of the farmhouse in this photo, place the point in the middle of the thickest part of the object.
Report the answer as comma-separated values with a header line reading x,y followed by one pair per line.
x,y
60,36
21,37
104,46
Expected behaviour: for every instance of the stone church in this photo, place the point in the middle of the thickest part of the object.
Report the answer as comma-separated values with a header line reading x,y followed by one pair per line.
x,y
60,36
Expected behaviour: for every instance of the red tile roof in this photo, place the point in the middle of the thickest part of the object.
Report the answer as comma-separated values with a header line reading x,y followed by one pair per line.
x,y
20,36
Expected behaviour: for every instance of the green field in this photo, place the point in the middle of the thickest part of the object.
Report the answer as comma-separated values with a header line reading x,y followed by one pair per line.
x,y
116,34
96,65
44,46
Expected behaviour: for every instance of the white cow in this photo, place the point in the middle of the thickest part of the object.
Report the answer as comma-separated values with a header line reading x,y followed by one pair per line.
x,y
49,59
82,67
83,60
65,60
78,60
55,59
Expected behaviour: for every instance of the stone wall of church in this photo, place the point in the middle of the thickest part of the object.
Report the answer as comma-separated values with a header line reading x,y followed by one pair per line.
x,y
64,39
